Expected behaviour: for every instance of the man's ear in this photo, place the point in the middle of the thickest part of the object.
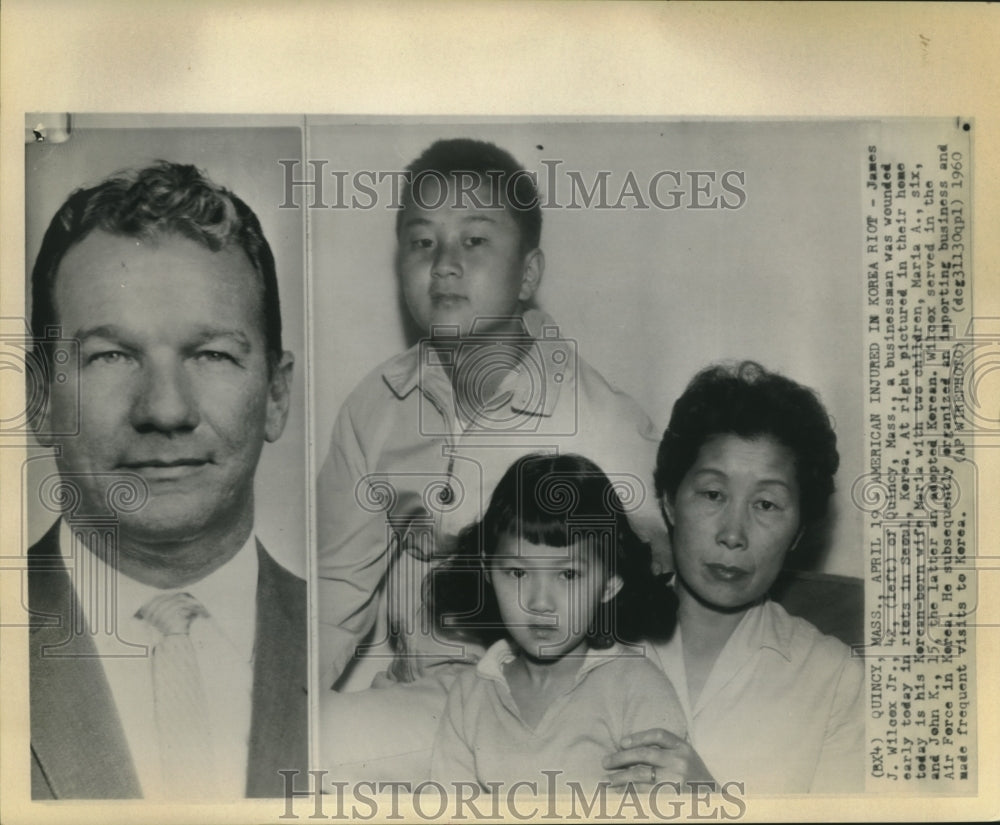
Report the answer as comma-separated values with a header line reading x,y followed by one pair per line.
x,y
611,588
667,506
279,396
795,542
531,278
41,421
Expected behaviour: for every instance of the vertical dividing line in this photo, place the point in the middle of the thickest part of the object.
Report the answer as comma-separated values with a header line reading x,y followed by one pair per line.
x,y
312,563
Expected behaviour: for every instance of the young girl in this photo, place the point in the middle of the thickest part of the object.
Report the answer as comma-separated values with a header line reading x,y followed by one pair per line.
x,y
555,580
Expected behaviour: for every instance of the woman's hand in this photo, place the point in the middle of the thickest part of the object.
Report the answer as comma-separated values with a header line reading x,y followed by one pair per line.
x,y
653,756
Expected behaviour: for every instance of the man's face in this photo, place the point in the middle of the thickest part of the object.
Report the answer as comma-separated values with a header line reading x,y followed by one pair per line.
x,y
460,262
173,379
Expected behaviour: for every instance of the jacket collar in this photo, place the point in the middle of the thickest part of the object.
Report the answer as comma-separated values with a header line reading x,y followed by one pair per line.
x,y
76,735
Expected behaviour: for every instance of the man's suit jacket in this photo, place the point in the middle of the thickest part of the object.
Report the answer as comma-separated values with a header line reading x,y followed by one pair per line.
x,y
78,746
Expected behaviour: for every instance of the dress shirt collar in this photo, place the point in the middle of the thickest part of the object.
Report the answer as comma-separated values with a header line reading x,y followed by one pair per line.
x,y
761,626
551,357
229,594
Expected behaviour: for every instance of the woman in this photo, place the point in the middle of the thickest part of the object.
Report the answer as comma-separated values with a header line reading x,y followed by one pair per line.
x,y
745,467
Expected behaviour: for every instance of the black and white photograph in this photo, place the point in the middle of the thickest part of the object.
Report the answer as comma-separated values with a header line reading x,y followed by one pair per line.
x,y
374,451
165,525
689,317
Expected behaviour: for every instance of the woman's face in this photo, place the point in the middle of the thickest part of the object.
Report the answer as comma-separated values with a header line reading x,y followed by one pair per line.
x,y
734,517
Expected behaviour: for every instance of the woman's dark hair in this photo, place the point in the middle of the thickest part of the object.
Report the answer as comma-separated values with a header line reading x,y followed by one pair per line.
x,y
749,401
554,500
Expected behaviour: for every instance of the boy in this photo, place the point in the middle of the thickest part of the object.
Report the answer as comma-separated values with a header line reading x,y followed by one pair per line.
x,y
422,441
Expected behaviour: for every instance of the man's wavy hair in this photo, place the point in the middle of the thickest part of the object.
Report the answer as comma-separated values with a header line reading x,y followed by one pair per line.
x,y
496,168
554,500
148,203
749,401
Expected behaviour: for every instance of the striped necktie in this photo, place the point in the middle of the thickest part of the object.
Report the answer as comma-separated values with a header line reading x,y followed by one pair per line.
x,y
181,711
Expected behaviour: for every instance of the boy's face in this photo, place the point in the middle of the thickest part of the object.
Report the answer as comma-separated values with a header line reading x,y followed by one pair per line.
x,y
463,260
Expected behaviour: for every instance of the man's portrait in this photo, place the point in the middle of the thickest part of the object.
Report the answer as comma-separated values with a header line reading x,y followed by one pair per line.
x,y
168,640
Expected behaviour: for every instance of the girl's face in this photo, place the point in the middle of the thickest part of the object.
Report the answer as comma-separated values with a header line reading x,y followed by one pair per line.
x,y
548,595
735,516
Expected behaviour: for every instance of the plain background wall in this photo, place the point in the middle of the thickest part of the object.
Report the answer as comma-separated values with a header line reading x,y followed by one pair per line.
x,y
245,160
650,295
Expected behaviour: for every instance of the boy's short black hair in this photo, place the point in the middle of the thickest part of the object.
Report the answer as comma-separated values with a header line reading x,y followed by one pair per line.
x,y
512,186
749,401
